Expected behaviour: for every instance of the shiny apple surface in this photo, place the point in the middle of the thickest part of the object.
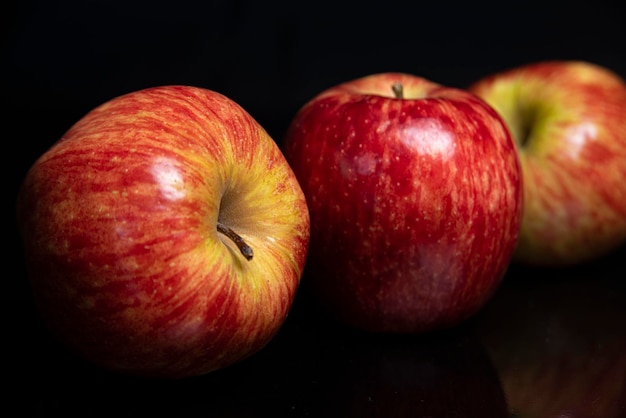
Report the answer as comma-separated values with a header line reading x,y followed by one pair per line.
x,y
415,201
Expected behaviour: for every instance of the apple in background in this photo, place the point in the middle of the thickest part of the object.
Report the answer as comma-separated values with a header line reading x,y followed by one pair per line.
x,y
414,192
165,234
569,120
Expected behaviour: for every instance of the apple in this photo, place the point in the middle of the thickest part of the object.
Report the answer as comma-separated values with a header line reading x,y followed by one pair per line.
x,y
415,197
165,234
569,121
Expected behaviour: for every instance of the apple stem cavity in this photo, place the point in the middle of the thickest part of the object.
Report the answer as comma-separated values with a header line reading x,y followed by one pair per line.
x,y
398,90
245,249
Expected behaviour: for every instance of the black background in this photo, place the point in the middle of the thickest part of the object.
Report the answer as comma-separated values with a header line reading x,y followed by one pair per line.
x,y
61,59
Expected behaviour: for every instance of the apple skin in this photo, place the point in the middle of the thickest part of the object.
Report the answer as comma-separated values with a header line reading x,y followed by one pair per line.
x,y
118,221
415,202
569,120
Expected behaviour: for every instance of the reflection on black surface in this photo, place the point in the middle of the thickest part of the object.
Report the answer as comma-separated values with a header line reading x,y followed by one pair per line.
x,y
309,370
558,340
549,344
438,376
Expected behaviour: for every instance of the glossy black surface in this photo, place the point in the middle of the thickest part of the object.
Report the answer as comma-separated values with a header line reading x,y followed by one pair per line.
x,y
544,346
551,343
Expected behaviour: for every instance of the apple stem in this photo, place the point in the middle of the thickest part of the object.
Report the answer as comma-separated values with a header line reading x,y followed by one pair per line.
x,y
245,249
398,90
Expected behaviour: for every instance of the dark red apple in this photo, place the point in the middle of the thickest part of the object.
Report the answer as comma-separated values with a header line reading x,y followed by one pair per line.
x,y
415,196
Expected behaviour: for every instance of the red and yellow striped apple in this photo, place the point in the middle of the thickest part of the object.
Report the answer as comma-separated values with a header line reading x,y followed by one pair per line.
x,y
165,234
569,121
414,191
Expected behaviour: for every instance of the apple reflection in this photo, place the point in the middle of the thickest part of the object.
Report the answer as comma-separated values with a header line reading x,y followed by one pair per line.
x,y
347,373
415,377
559,342
319,370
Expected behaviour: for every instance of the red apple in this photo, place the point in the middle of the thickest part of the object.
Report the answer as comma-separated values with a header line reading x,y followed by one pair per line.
x,y
414,191
165,234
569,120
